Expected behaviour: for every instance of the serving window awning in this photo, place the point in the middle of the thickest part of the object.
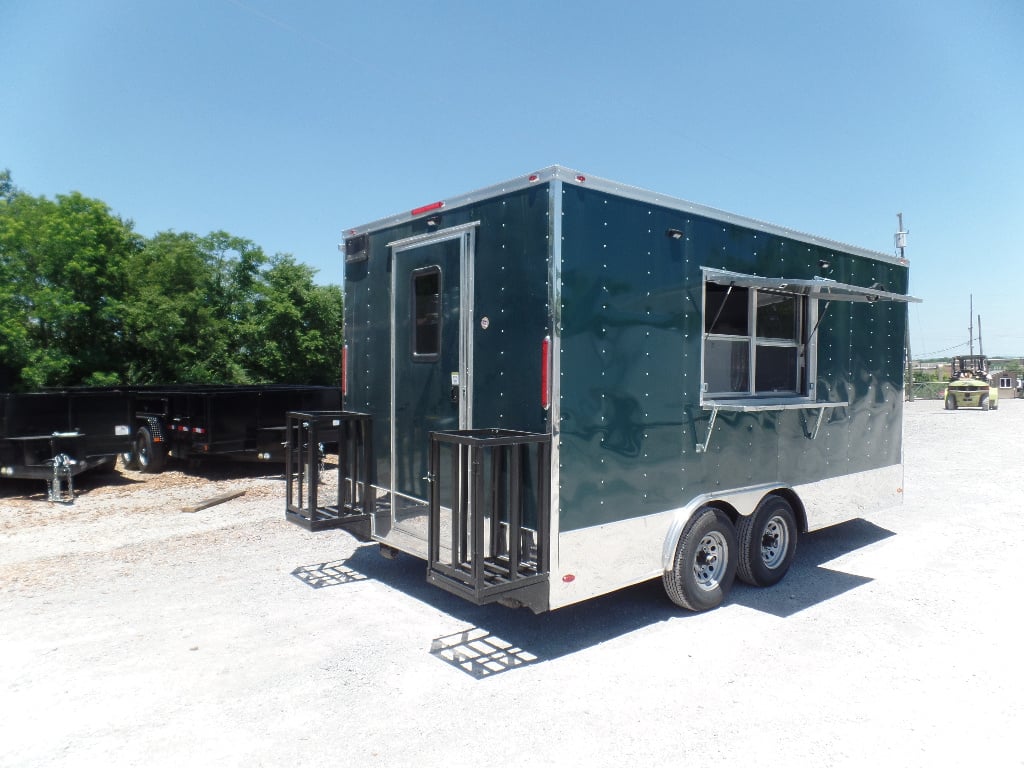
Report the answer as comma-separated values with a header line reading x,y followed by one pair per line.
x,y
817,287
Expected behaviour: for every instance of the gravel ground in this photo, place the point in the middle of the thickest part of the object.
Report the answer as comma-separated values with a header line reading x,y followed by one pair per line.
x,y
137,634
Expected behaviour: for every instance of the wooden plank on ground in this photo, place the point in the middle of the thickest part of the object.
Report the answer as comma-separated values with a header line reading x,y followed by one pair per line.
x,y
212,502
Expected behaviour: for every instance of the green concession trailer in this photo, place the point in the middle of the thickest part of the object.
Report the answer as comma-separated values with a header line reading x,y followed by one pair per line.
x,y
559,386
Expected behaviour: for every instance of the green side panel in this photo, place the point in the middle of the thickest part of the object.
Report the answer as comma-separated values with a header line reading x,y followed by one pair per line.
x,y
511,294
368,338
628,314
631,359
511,290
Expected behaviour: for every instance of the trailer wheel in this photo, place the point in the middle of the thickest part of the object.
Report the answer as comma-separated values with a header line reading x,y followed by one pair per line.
x,y
151,456
704,565
767,542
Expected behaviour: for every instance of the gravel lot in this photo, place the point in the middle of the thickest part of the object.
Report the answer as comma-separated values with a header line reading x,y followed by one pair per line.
x,y
137,634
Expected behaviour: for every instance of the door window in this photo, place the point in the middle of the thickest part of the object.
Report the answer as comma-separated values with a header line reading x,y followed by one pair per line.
x,y
426,314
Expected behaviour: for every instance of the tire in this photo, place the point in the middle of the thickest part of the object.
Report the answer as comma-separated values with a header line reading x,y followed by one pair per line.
x,y
984,403
767,542
950,403
128,459
150,455
704,565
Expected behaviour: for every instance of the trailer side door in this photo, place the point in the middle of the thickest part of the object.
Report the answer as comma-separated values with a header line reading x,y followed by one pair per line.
x,y
431,355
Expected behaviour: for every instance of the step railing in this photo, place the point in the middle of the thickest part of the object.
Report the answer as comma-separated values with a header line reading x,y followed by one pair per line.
x,y
489,530
353,507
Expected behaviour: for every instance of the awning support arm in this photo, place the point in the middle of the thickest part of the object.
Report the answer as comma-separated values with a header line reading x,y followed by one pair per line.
x,y
703,447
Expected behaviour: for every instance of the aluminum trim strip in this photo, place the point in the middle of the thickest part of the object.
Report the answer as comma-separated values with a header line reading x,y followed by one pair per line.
x,y
555,372
569,176
430,237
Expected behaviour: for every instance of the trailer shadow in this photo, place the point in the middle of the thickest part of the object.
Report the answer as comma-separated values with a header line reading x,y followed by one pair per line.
x,y
809,582
227,468
498,639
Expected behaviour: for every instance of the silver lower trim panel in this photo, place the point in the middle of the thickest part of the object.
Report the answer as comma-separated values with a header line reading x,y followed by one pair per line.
x,y
601,559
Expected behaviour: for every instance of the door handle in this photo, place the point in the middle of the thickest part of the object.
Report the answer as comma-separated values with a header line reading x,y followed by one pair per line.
x,y
454,396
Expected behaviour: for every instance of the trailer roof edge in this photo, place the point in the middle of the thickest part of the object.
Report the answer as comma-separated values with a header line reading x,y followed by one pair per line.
x,y
570,176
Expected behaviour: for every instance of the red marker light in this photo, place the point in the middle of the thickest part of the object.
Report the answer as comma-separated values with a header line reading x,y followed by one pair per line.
x,y
427,208
569,577
581,179
534,177
545,378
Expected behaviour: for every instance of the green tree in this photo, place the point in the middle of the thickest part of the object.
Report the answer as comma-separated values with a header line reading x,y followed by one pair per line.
x,y
171,329
62,264
85,300
296,335
190,308
14,337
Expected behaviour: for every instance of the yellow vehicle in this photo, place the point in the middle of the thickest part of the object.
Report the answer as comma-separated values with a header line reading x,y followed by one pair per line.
x,y
970,385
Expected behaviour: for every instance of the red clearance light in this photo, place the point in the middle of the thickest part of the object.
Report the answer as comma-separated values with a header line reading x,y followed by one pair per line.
x,y
545,367
427,208
581,178
534,177
569,577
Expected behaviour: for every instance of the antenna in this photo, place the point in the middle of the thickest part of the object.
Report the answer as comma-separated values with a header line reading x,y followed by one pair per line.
x,y
901,236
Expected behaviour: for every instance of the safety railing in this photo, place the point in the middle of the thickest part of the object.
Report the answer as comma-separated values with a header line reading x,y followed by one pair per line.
x,y
352,509
489,531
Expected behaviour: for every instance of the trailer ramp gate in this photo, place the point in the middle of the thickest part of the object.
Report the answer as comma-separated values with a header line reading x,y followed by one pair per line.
x,y
353,508
489,537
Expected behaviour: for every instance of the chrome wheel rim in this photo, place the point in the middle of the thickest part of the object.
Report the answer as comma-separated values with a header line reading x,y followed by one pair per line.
x,y
774,542
710,561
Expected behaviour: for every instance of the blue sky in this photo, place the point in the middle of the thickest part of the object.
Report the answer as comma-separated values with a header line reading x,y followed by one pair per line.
x,y
286,122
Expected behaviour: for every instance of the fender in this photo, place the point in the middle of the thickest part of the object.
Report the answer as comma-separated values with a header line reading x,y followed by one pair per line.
x,y
741,500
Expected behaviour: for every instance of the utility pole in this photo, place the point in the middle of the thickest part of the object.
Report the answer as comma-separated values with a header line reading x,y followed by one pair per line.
x,y
901,246
970,326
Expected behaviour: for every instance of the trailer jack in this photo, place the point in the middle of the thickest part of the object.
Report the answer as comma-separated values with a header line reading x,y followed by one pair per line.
x,y
60,487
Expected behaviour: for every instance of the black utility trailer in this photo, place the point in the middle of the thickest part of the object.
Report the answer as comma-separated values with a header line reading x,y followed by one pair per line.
x,y
237,422
56,435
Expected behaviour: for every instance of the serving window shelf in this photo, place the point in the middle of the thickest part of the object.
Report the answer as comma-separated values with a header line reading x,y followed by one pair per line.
x,y
758,404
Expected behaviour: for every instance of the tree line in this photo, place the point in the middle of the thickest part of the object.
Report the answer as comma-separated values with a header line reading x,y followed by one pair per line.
x,y
85,300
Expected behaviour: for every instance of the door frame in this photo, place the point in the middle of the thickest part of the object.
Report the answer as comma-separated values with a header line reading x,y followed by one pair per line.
x,y
466,234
